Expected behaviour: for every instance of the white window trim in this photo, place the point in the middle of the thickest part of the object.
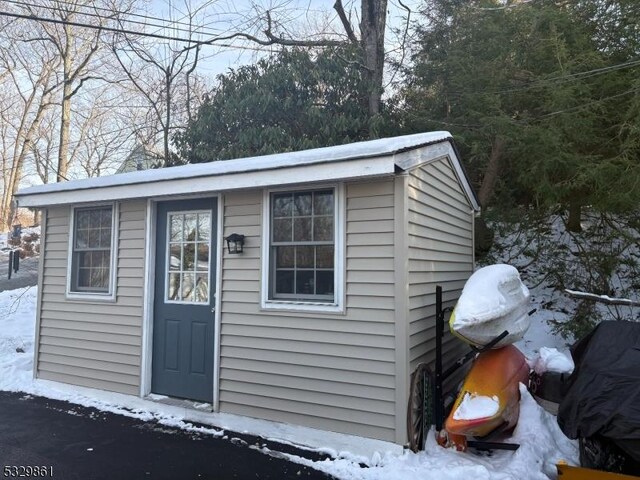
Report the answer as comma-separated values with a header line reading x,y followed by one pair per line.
x,y
109,296
339,244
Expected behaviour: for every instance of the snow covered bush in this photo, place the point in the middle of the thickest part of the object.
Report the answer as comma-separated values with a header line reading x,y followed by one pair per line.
x,y
604,259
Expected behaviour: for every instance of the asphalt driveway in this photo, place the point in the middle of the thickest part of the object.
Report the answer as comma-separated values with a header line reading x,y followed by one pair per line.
x,y
84,443
26,276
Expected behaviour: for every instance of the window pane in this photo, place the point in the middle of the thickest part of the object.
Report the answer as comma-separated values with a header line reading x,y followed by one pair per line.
x,y
202,289
99,277
284,257
94,218
82,238
105,238
323,229
94,238
174,286
282,230
323,203
175,257
84,277
190,222
105,218
83,259
304,257
324,256
204,227
176,227
302,229
282,205
188,284
324,282
203,257
189,257
284,281
82,219
302,204
304,282
97,259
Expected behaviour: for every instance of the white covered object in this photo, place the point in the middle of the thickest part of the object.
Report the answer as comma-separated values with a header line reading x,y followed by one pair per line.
x,y
552,360
493,300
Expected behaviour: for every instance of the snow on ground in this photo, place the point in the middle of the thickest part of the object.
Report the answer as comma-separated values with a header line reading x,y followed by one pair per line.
x,y
542,442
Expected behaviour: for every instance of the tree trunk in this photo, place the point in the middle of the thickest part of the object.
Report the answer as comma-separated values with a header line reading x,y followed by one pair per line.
x,y
492,172
167,124
8,205
575,213
65,119
65,123
374,19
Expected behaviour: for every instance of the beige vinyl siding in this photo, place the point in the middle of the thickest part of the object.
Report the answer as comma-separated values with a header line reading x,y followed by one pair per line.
x,y
440,253
93,343
325,370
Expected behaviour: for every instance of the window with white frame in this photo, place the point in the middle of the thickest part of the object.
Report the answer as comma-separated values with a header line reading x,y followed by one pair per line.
x,y
302,246
92,250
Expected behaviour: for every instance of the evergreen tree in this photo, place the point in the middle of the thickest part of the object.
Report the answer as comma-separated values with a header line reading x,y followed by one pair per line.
x,y
291,101
540,108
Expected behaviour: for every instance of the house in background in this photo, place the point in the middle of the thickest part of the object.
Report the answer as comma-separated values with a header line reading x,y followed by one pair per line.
x,y
140,158
319,321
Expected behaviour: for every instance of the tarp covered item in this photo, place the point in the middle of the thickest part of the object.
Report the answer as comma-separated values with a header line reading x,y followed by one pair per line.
x,y
493,300
602,396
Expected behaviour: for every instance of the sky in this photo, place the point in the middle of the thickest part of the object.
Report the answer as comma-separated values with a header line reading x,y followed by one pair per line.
x,y
298,17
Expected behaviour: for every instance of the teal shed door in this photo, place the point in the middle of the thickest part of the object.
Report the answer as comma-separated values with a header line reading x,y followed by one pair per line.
x,y
183,325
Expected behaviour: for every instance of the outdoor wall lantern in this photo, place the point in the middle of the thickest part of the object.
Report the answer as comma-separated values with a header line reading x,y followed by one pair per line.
x,y
235,242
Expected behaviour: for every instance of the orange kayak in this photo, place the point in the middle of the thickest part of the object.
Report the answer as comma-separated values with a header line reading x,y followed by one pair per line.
x,y
490,396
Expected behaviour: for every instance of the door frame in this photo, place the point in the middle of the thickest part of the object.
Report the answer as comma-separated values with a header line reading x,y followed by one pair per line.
x,y
149,293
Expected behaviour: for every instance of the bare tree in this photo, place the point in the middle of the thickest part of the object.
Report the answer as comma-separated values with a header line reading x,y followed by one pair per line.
x,y
163,74
44,149
103,137
78,49
29,84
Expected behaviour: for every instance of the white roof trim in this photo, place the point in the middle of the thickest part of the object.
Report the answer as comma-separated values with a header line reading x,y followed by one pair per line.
x,y
356,160
430,153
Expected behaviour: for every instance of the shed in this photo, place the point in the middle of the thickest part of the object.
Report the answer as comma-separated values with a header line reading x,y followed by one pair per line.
x,y
319,321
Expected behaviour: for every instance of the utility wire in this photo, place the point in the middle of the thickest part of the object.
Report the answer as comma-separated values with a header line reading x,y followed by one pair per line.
x,y
112,12
167,26
105,28
212,42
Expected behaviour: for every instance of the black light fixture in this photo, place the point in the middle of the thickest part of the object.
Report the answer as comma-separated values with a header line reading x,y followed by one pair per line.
x,y
235,242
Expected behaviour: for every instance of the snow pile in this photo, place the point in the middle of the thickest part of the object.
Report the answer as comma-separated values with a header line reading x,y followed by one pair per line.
x,y
551,360
493,300
542,445
475,406
17,325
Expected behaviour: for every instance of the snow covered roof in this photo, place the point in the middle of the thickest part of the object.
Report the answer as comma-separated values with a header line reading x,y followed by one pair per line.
x,y
356,160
